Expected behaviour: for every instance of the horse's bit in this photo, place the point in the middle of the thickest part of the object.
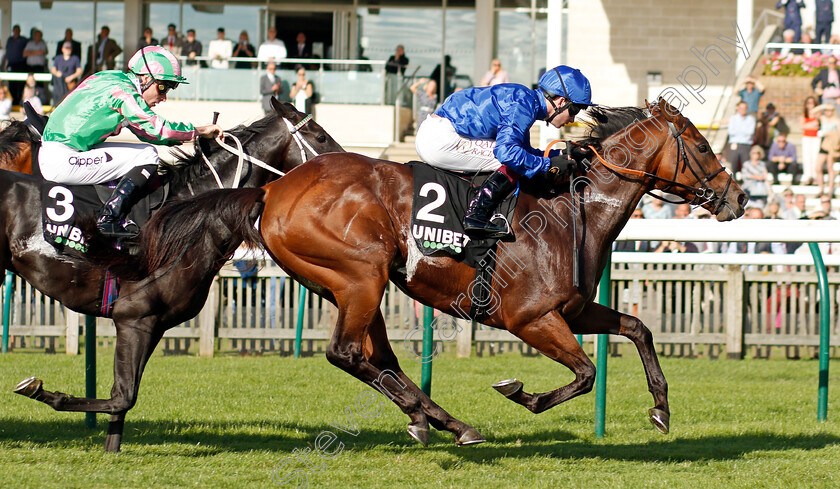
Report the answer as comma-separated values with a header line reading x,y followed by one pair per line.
x,y
294,130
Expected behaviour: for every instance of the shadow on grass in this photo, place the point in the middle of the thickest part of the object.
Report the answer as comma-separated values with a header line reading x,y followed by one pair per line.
x,y
207,438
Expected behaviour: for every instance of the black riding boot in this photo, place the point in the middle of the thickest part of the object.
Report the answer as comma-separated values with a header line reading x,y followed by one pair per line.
x,y
109,220
477,222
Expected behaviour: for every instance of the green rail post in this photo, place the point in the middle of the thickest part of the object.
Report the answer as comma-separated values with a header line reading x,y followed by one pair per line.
x,y
428,343
7,308
90,366
825,321
601,367
302,292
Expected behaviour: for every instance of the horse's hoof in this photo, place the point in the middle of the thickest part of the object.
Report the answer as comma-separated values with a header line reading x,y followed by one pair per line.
x,y
470,437
419,433
660,419
30,387
508,387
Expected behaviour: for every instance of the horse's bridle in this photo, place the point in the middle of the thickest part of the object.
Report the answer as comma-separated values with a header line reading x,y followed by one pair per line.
x,y
294,130
702,192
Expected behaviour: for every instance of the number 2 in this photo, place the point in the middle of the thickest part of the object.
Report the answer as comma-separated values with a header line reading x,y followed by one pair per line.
x,y
425,212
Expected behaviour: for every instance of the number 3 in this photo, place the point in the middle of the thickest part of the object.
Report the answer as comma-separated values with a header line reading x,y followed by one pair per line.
x,y
64,203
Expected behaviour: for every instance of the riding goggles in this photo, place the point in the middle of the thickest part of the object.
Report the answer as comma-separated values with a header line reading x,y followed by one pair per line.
x,y
165,86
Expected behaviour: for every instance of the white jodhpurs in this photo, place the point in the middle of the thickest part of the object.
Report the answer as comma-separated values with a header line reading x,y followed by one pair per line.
x,y
103,163
439,145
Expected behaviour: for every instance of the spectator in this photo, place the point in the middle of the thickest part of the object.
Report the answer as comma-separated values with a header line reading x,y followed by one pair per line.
x,y
301,48
797,210
810,125
5,103
754,212
425,100
397,62
272,49
220,50
705,246
66,70
793,19
15,61
656,209
782,158
754,176
829,147
681,211
826,84
751,94
147,39
772,210
825,208
244,49
173,42
30,96
394,70
102,55
741,131
787,39
36,53
786,202
824,17
76,46
495,75
302,92
270,86
37,90
448,86
768,126
191,48
640,246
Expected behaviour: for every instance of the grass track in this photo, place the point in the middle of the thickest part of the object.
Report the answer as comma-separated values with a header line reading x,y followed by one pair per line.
x,y
229,422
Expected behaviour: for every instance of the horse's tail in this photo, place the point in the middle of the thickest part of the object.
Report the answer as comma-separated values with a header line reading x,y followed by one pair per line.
x,y
217,222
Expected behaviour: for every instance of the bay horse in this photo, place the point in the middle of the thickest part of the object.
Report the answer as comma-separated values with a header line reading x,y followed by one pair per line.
x,y
147,305
16,142
340,225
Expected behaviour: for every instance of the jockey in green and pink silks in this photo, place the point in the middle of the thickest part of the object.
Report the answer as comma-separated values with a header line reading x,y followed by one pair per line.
x,y
75,149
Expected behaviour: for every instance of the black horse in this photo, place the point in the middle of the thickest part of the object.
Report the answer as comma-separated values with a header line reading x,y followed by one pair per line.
x,y
149,304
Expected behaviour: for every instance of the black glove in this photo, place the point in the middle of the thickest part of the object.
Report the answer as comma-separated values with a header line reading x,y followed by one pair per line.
x,y
560,166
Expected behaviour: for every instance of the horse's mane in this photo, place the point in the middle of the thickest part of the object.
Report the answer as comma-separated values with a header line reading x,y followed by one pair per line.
x,y
188,167
606,121
16,132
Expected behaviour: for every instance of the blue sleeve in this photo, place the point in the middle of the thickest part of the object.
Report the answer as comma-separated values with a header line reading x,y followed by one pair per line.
x,y
512,148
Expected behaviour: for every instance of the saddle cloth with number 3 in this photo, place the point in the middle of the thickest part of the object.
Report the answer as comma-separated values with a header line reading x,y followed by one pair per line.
x,y
440,202
63,205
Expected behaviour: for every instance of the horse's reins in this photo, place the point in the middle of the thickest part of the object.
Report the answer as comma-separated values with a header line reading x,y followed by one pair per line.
x,y
294,130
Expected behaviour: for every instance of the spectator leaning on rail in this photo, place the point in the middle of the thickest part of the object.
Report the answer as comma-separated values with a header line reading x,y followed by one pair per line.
x,y
73,151
484,129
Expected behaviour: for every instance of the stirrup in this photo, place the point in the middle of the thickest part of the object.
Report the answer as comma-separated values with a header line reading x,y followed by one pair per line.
x,y
114,229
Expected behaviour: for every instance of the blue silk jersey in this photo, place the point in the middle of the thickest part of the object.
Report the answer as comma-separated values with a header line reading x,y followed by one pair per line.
x,y
505,113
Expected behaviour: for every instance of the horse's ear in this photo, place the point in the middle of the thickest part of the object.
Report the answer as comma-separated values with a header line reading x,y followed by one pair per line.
x,y
669,111
284,109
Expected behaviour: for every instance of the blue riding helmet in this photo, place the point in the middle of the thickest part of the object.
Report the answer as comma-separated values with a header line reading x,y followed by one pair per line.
x,y
567,82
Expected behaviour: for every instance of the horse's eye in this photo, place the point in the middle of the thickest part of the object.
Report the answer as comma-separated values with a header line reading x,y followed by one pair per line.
x,y
321,138
702,148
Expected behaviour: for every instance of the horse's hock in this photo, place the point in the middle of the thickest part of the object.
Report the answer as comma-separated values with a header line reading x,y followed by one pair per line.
x,y
690,309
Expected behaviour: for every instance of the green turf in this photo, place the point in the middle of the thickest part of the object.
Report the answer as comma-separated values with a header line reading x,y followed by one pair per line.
x,y
229,422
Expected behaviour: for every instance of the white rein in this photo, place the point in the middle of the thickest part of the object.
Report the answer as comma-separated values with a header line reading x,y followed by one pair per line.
x,y
242,157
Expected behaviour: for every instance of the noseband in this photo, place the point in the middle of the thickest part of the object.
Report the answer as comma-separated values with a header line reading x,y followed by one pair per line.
x,y
702,192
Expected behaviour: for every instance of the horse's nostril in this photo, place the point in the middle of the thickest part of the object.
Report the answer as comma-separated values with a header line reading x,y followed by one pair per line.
x,y
742,200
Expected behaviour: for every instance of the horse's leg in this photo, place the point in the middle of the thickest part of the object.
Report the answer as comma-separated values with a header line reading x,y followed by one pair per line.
x,y
358,302
598,319
379,353
552,337
135,344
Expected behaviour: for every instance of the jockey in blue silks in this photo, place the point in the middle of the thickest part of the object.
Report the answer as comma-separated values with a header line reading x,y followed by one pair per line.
x,y
488,129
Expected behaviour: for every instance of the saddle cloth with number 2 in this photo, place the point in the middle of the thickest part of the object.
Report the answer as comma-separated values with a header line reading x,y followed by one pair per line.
x,y
439,204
